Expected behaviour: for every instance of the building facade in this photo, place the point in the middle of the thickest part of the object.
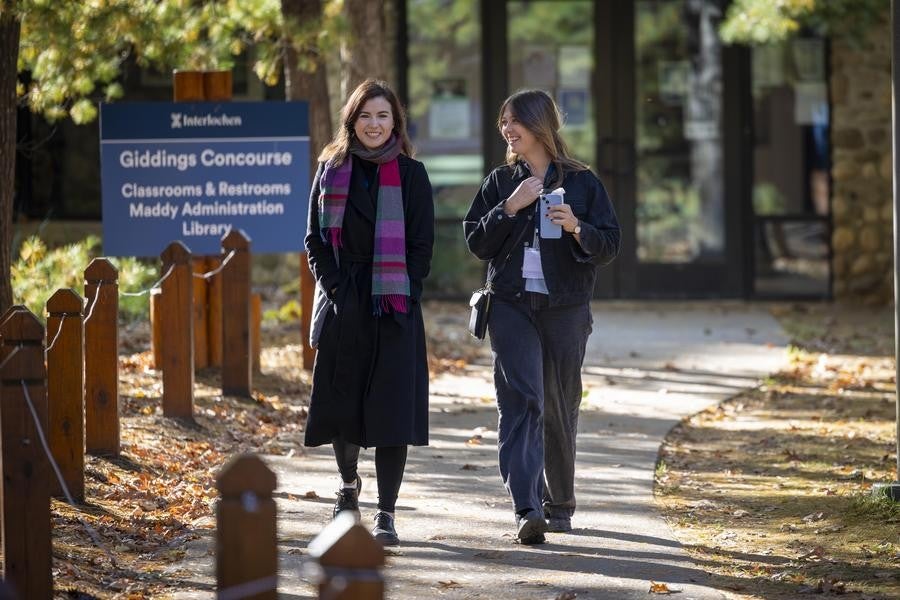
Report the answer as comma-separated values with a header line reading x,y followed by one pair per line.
x,y
736,172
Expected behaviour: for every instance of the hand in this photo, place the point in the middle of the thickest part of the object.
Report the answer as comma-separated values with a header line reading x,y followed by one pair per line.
x,y
561,214
527,192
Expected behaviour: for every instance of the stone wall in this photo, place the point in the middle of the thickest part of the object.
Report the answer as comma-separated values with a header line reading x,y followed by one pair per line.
x,y
862,169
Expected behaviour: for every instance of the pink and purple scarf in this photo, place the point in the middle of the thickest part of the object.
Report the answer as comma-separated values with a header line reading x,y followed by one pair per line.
x,y
390,281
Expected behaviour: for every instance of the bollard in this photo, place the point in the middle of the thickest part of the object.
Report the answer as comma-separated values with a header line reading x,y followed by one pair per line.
x,y
101,358
176,308
25,467
65,390
236,361
246,544
349,561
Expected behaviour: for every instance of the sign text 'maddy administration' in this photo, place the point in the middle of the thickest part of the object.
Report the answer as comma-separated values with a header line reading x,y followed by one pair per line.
x,y
191,172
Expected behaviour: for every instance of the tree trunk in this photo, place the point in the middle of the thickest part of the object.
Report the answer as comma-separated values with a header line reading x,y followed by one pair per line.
x,y
9,52
364,51
311,86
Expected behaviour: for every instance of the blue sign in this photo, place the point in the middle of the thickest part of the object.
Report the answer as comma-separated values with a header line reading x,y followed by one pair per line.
x,y
194,171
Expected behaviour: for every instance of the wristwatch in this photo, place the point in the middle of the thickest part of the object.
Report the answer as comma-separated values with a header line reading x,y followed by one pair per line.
x,y
577,229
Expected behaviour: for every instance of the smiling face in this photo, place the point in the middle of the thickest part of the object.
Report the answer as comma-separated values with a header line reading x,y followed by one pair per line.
x,y
375,123
518,138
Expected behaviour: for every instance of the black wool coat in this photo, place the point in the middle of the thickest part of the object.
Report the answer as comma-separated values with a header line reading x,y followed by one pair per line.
x,y
370,378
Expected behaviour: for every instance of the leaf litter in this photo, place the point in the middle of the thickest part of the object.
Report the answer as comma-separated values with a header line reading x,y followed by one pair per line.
x,y
159,495
771,489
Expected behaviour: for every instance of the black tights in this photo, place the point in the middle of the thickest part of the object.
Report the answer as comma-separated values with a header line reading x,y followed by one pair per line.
x,y
390,461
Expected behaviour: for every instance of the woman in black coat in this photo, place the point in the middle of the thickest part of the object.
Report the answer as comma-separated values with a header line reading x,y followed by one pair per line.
x,y
369,242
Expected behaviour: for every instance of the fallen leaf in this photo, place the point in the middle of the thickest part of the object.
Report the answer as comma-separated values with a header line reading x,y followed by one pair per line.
x,y
661,588
815,553
311,495
448,584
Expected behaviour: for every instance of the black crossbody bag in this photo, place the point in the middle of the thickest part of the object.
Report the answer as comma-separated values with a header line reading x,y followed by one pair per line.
x,y
480,302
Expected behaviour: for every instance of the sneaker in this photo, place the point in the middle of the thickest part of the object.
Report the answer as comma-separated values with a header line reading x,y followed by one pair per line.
x,y
530,528
384,530
348,500
559,524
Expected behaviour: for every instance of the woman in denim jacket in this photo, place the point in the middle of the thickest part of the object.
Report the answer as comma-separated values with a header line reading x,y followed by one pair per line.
x,y
540,316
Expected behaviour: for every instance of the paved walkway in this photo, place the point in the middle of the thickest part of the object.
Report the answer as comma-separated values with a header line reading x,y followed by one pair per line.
x,y
648,366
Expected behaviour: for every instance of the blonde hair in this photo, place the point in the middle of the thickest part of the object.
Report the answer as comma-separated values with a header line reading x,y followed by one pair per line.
x,y
540,115
339,147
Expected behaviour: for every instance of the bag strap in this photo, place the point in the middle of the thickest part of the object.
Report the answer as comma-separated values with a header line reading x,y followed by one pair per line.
x,y
490,280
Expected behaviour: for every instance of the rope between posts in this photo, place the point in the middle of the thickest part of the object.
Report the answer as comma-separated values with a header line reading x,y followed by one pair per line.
x,y
55,337
11,354
93,304
155,285
217,270
91,531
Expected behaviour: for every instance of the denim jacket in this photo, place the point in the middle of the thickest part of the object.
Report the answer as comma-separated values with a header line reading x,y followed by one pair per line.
x,y
569,266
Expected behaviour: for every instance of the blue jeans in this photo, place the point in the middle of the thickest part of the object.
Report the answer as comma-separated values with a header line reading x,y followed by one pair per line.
x,y
538,352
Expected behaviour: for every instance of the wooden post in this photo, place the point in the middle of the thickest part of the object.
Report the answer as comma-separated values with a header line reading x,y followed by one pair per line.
x,y
201,314
209,86
12,309
156,321
246,544
187,86
101,358
178,333
65,390
256,329
214,319
350,560
217,86
307,288
26,473
236,361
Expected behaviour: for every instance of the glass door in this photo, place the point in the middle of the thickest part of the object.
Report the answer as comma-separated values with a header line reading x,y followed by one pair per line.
x,y
666,149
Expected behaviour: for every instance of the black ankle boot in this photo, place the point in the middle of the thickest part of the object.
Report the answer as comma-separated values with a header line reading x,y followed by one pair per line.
x,y
348,499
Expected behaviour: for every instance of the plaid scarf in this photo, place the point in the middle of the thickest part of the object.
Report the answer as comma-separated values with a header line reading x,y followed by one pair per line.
x,y
390,281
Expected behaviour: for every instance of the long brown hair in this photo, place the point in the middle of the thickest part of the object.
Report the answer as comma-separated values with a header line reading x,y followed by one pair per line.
x,y
339,147
540,115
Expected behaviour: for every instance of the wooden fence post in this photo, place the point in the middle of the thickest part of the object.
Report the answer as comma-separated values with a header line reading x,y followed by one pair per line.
x,y
236,360
156,322
201,314
214,322
101,358
65,390
176,308
246,544
25,467
349,560
256,329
